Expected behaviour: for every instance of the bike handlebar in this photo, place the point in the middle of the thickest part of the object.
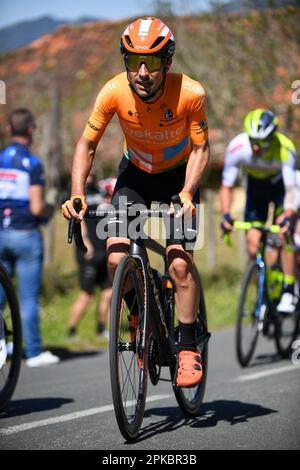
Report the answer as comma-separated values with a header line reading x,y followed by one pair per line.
x,y
74,228
241,225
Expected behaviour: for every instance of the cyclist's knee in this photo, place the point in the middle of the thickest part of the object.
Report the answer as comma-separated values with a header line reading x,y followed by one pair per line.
x,y
252,250
113,260
116,250
253,240
179,270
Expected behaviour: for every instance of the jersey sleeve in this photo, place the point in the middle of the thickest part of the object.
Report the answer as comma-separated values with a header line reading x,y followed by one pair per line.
x,y
290,181
197,115
103,112
37,175
231,168
289,169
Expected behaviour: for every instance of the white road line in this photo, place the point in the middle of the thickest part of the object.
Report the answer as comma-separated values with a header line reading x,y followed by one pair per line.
x,y
68,417
266,373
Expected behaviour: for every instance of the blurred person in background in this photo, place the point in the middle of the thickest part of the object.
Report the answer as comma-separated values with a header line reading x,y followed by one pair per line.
x,y
269,160
22,208
297,229
93,264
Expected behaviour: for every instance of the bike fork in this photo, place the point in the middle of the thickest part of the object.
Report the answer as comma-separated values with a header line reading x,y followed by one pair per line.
x,y
261,306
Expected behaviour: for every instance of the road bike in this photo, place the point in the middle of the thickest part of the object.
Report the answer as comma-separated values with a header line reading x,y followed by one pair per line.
x,y
153,343
10,339
260,294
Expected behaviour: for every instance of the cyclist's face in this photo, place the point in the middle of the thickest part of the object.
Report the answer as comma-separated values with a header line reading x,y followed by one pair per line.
x,y
259,146
144,82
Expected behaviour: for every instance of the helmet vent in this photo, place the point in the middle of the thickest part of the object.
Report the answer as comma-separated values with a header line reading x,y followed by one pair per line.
x,y
157,42
127,38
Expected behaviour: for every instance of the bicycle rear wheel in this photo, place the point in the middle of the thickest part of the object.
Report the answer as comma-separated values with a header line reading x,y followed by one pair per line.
x,y
128,352
10,340
190,399
247,320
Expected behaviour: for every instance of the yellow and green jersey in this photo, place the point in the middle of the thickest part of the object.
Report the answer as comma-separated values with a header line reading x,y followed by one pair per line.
x,y
276,162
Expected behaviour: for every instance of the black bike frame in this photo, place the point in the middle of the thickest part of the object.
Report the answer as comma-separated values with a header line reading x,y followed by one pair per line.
x,y
155,315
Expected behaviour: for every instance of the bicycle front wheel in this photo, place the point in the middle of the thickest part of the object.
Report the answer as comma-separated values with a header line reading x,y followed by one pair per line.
x,y
10,340
247,319
128,346
190,399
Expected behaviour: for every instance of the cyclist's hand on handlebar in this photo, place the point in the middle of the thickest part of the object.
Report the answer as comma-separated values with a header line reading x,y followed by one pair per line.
x,y
227,223
285,224
188,207
68,210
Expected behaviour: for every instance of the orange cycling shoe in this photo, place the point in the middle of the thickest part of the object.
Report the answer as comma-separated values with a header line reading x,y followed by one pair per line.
x,y
189,369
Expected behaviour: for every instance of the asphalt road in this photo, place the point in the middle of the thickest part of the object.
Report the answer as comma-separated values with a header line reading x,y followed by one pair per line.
x,y
69,406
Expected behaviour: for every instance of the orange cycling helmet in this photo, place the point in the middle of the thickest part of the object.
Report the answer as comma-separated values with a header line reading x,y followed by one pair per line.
x,y
148,36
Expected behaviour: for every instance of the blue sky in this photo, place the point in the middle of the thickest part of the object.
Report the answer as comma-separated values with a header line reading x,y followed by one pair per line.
x,y
12,12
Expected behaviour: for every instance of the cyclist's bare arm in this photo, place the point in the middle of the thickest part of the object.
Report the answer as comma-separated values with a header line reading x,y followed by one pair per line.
x,y
226,201
87,241
226,198
37,203
196,165
82,163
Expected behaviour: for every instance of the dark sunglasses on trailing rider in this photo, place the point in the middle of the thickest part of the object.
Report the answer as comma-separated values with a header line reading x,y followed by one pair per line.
x,y
134,61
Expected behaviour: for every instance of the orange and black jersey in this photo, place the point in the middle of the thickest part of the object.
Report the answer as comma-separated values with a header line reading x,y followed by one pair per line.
x,y
158,136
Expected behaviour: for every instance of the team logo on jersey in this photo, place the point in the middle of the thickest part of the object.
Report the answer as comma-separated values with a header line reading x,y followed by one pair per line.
x,y
26,162
168,114
133,113
97,129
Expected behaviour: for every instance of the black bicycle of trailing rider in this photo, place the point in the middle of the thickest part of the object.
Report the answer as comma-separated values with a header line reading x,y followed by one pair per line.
x,y
143,341
260,294
10,339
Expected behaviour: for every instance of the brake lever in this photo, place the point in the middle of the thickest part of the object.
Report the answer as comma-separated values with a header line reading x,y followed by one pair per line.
x,y
176,201
71,229
75,228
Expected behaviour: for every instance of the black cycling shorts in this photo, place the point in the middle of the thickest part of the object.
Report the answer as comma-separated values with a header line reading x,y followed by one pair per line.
x,y
260,192
93,273
144,188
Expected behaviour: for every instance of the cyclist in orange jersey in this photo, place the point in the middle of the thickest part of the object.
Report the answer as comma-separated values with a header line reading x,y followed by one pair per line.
x,y
166,150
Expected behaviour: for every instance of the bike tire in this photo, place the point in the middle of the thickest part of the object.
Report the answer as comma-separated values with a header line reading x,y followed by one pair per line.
x,y
9,372
129,413
286,332
244,355
190,399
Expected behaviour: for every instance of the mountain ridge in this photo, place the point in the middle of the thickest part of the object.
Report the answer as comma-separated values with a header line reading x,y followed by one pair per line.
x,y
24,32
